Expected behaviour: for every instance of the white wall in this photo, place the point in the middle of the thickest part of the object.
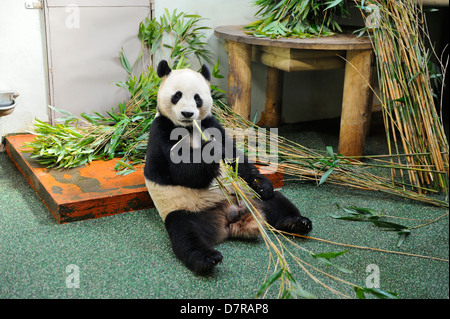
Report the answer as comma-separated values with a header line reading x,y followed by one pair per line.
x,y
22,64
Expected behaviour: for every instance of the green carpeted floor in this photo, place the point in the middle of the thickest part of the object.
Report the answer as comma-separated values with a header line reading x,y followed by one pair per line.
x,y
129,255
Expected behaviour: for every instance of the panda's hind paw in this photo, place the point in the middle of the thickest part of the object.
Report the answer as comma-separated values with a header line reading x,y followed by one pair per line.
x,y
297,225
206,262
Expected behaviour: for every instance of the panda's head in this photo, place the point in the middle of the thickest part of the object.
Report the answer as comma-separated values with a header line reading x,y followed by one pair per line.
x,y
184,95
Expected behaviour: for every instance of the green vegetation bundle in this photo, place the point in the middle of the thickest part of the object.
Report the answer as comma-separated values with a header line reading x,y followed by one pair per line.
x,y
413,126
297,18
179,33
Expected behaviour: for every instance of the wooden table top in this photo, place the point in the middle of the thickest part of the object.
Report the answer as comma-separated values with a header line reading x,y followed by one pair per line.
x,y
340,41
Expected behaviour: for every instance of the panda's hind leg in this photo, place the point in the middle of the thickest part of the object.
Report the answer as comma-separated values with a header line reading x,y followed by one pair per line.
x,y
283,215
241,223
193,236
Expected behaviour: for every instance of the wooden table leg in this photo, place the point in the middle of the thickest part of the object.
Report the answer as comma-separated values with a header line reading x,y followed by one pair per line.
x,y
356,102
240,77
274,93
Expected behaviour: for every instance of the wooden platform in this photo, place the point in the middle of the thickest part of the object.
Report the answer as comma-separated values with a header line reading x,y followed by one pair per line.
x,y
86,192
80,193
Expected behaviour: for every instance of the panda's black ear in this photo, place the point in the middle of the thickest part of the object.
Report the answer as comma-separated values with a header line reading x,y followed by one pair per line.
x,y
163,69
205,72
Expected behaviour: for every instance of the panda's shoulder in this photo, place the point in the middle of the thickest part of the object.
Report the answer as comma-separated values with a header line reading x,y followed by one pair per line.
x,y
161,125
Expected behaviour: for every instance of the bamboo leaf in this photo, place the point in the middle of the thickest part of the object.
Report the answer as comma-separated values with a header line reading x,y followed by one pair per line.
x,y
326,175
389,225
353,218
298,291
361,291
275,276
326,258
65,112
329,255
361,210
402,236
124,60
331,152
332,4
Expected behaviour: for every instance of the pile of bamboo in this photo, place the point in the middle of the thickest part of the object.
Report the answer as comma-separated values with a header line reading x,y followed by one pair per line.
x,y
415,132
300,163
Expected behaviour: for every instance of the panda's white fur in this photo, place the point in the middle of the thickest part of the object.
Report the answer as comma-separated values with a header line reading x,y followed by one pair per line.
x,y
175,197
198,215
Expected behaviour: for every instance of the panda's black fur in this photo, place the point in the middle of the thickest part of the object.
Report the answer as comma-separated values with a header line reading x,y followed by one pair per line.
x,y
196,217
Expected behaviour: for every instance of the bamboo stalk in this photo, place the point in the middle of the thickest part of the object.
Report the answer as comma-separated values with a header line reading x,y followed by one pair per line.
x,y
407,99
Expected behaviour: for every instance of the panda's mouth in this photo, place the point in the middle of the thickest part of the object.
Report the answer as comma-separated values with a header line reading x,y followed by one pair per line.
x,y
185,122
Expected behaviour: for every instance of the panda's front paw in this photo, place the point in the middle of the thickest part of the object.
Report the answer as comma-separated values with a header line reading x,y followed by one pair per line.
x,y
263,187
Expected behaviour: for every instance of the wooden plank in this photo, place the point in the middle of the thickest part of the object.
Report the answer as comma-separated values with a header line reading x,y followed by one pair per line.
x,y
240,78
274,93
290,60
91,191
340,41
84,192
297,54
356,102
294,65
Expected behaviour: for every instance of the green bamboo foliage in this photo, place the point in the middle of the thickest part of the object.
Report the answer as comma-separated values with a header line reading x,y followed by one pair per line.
x,y
413,126
297,18
178,35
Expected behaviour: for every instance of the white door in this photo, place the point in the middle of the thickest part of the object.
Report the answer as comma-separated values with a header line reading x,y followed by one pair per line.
x,y
84,38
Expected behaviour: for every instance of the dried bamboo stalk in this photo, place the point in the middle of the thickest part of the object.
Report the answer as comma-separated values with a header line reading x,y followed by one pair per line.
x,y
295,161
412,123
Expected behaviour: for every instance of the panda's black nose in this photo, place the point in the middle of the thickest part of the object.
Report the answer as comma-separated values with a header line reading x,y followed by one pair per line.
x,y
187,114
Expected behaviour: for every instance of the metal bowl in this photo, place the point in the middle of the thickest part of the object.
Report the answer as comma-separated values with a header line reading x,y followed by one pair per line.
x,y
6,110
7,98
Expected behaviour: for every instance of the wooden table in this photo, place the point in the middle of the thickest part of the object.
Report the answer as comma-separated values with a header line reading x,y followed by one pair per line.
x,y
289,54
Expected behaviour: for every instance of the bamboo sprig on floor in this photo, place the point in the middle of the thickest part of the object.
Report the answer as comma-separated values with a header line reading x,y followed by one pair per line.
x,y
279,268
412,123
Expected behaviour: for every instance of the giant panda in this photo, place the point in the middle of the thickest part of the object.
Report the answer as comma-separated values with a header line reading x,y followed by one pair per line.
x,y
198,216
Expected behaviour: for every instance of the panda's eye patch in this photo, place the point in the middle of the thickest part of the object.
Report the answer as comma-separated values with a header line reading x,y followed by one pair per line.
x,y
176,97
198,100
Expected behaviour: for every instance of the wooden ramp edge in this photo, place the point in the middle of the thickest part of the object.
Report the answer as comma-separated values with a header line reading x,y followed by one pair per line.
x,y
90,191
